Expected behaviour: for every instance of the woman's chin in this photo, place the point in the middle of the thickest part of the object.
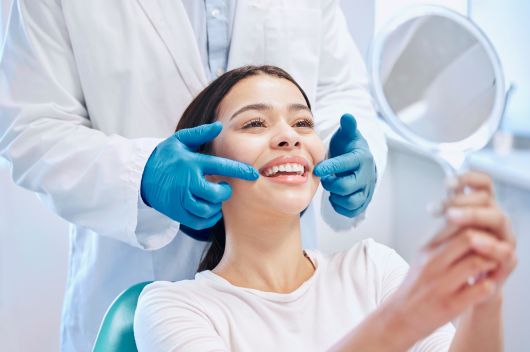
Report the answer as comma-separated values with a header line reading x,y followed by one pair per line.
x,y
278,198
287,202
289,199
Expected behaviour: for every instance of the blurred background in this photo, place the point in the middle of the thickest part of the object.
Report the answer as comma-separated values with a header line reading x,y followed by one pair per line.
x,y
34,242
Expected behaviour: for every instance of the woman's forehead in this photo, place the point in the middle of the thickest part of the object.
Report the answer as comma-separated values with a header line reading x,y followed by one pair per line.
x,y
270,91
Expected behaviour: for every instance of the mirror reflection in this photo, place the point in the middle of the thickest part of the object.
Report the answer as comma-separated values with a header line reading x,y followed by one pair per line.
x,y
437,78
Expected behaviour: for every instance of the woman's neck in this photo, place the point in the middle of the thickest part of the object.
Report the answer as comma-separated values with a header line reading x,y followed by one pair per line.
x,y
263,251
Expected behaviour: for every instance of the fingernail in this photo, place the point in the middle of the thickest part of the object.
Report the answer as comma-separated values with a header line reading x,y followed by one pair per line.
x,y
451,183
455,213
480,242
435,208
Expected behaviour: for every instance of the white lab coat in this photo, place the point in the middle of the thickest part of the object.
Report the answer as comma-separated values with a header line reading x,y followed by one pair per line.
x,y
89,88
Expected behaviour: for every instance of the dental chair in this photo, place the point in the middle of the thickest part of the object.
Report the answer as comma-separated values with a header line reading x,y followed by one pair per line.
x,y
116,331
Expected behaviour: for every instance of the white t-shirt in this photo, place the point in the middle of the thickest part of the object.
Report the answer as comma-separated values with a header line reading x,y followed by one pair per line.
x,y
210,314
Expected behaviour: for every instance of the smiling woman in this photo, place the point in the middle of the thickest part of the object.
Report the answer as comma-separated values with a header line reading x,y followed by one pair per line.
x,y
268,124
257,289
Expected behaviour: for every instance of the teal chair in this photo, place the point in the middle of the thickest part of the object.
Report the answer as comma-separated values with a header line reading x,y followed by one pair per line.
x,y
116,331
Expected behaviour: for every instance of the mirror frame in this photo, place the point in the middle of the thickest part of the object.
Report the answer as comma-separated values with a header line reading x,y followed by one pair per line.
x,y
476,140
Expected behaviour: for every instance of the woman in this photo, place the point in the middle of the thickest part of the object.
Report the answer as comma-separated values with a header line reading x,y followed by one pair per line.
x,y
258,290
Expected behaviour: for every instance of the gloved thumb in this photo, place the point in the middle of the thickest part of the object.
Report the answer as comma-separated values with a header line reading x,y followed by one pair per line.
x,y
348,128
196,136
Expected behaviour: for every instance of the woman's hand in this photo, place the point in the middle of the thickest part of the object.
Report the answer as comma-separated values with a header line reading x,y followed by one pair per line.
x,y
473,206
477,209
476,242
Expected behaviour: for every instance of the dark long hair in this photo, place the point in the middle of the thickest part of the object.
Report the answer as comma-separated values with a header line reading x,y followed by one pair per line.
x,y
203,110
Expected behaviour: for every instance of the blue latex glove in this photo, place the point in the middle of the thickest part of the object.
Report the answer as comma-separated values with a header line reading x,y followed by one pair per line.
x,y
349,174
173,180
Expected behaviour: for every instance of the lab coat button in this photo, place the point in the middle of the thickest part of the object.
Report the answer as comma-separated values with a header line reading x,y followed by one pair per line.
x,y
219,72
215,13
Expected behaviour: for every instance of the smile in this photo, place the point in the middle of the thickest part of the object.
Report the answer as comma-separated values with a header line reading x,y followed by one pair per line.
x,y
295,169
286,169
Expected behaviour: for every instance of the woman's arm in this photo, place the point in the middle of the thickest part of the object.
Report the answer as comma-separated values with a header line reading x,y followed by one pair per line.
x,y
480,328
476,242
380,331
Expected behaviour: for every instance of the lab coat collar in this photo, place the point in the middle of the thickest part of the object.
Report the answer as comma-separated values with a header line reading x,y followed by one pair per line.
x,y
171,22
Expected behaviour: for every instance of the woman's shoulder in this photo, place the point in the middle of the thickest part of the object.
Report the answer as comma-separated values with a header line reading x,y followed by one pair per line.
x,y
168,292
186,299
366,251
172,314
168,286
367,259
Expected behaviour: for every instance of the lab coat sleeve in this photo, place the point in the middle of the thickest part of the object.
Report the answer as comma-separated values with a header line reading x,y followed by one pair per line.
x,y
85,176
343,88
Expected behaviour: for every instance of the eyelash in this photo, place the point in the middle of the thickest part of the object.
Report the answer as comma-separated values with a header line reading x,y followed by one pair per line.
x,y
253,123
308,123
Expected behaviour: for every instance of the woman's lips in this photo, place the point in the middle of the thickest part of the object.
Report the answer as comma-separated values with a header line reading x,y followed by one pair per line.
x,y
289,179
290,172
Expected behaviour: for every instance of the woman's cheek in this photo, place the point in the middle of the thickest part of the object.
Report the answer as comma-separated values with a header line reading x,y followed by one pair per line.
x,y
236,147
317,150
244,148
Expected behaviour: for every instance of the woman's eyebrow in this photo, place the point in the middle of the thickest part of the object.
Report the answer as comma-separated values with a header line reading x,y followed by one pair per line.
x,y
262,107
259,107
298,107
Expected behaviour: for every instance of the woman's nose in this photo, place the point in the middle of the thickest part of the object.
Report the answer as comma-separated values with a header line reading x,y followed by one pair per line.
x,y
286,138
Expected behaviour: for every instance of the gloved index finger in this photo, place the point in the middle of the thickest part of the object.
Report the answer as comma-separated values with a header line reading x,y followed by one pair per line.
x,y
214,165
342,163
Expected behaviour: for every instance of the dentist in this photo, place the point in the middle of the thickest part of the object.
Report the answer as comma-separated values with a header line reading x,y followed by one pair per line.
x,y
90,92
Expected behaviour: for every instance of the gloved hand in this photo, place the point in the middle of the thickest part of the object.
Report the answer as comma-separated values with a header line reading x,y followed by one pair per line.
x,y
350,173
173,180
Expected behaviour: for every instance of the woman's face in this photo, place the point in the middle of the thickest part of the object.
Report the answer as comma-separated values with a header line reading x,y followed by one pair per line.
x,y
267,124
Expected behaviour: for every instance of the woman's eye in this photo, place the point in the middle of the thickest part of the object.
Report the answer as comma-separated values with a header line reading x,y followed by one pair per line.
x,y
304,123
258,122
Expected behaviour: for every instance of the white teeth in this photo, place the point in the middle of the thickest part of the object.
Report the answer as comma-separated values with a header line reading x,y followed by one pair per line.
x,y
285,168
298,168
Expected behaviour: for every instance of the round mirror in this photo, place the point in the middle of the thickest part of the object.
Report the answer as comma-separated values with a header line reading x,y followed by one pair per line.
x,y
438,82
